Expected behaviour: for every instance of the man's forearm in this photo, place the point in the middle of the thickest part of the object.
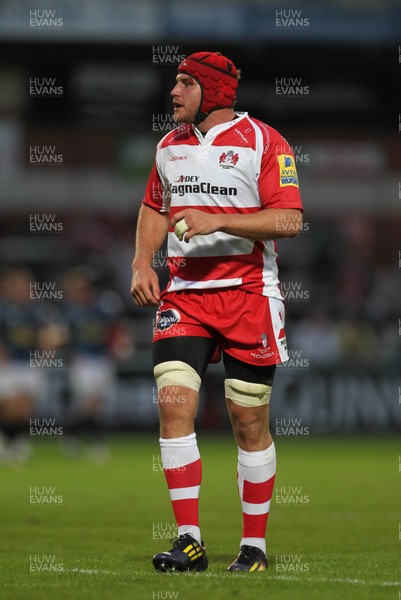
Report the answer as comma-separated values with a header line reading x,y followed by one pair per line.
x,y
268,224
151,232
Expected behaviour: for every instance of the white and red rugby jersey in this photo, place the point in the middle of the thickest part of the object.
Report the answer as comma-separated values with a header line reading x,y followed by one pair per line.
x,y
242,166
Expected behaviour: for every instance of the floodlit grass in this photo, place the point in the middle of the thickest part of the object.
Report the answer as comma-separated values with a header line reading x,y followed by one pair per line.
x,y
334,537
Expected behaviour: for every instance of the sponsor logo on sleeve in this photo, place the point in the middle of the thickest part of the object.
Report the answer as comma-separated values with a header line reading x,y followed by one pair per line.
x,y
288,171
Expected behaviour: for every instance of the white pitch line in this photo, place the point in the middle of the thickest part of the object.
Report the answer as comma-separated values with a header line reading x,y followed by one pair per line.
x,y
90,571
347,580
306,579
337,580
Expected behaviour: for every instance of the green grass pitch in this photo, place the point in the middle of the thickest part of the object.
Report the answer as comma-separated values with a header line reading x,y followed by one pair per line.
x,y
334,529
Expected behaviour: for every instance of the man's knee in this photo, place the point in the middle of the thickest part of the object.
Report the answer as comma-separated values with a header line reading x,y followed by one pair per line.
x,y
177,401
249,411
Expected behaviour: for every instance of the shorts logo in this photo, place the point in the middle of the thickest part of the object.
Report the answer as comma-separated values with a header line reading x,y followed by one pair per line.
x,y
288,171
264,350
228,160
263,339
167,318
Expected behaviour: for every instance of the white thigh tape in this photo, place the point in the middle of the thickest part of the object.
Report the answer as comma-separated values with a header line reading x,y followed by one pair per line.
x,y
247,394
176,372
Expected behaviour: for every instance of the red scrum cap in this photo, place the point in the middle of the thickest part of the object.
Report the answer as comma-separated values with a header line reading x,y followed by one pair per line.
x,y
218,78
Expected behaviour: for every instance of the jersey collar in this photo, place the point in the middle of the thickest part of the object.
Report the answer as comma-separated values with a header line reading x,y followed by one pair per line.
x,y
213,131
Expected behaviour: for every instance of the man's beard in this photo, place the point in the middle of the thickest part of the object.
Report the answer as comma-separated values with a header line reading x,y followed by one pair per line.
x,y
187,119
183,120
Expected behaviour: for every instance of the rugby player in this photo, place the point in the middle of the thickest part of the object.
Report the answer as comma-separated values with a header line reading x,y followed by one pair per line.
x,y
223,188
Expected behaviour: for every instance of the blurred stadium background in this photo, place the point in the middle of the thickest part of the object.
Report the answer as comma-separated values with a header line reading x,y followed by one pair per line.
x,y
84,98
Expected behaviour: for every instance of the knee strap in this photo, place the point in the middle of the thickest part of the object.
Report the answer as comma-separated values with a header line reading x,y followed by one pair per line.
x,y
247,394
176,372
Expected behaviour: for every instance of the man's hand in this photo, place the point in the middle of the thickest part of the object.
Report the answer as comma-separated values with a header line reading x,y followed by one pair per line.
x,y
145,286
265,224
198,222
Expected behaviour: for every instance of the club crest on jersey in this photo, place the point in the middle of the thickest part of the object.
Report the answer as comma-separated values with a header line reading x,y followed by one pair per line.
x,y
288,171
228,160
167,318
